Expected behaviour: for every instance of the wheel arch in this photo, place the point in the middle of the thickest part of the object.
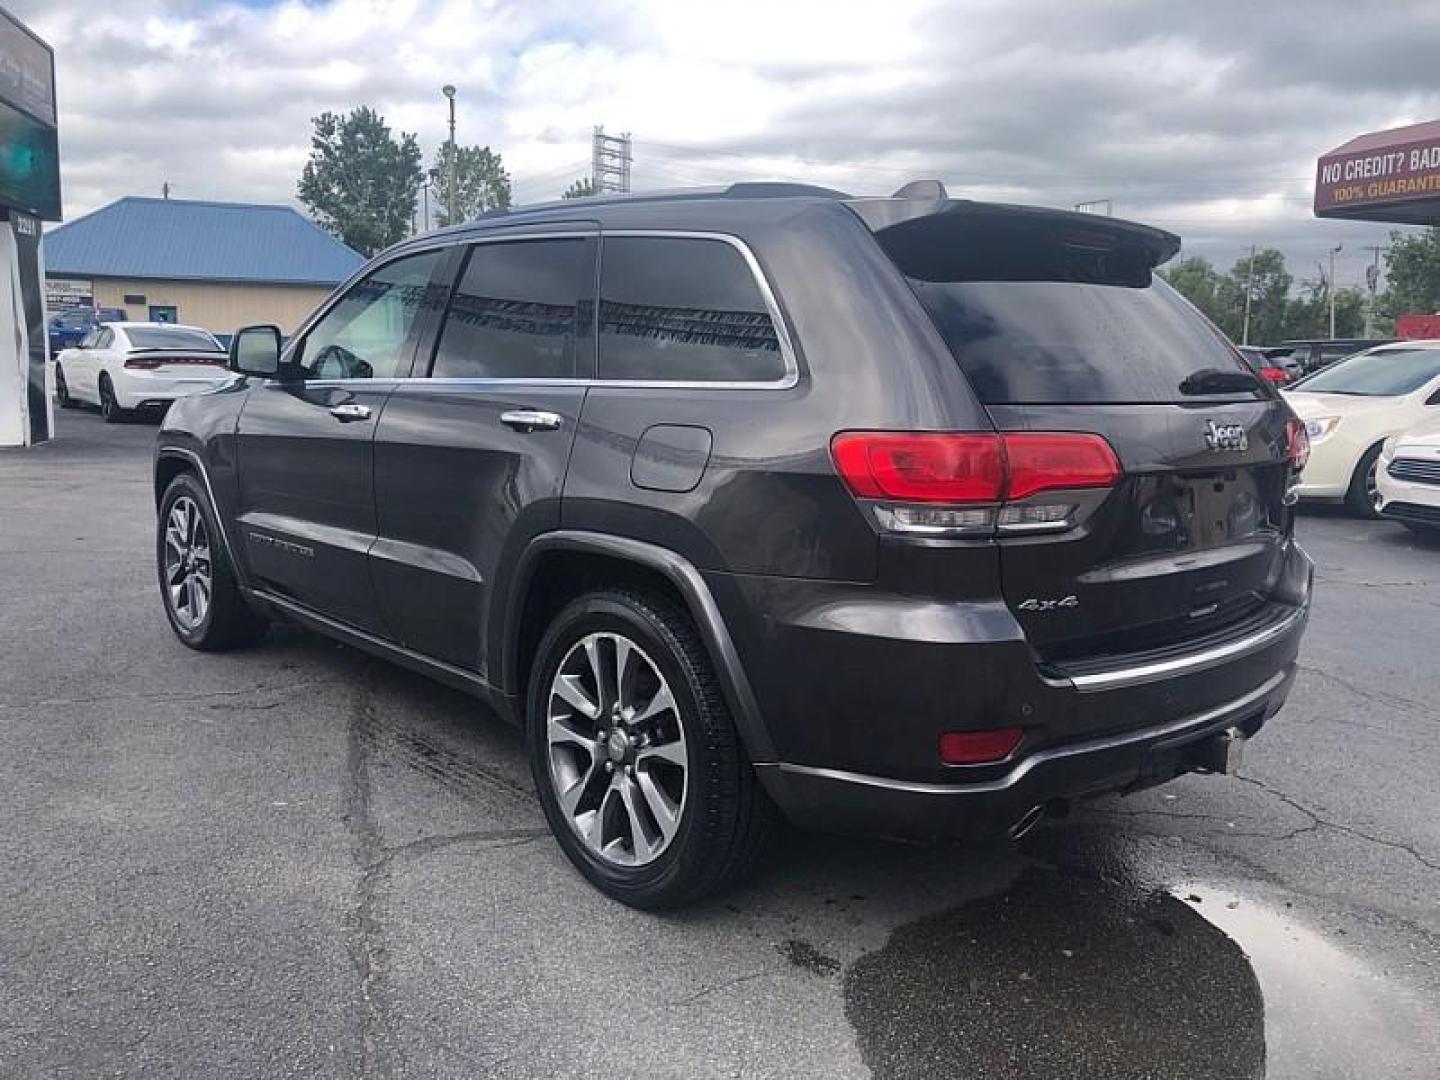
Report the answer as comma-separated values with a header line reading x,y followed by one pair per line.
x,y
557,566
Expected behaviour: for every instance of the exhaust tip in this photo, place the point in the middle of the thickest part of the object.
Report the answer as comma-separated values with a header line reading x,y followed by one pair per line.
x,y
1028,821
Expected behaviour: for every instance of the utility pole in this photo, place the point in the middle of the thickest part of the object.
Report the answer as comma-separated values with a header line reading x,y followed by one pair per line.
x,y
165,190
1330,287
1249,288
610,162
449,92
1372,281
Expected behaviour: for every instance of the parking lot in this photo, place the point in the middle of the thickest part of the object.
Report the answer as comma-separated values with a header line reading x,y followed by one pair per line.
x,y
301,861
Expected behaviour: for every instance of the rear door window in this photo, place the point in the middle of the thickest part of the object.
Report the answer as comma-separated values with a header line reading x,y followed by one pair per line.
x,y
516,311
684,309
1034,316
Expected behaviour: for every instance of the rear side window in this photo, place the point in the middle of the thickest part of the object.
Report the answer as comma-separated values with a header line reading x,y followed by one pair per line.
x,y
513,315
681,309
1034,316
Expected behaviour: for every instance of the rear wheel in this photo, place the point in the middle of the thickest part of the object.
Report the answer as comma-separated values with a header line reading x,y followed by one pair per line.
x,y
110,407
62,390
197,583
637,762
1363,496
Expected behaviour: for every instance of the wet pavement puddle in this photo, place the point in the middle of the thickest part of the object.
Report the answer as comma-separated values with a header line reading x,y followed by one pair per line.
x,y
1326,1013
1069,975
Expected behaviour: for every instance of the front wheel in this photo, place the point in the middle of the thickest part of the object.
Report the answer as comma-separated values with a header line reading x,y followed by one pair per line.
x,y
1363,496
62,390
636,759
197,583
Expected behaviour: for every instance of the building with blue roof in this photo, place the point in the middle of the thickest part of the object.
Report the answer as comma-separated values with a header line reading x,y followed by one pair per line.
x,y
211,264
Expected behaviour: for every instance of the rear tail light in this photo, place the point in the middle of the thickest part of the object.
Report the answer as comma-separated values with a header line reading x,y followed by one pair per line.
x,y
1276,375
1297,444
149,363
972,481
979,747
142,363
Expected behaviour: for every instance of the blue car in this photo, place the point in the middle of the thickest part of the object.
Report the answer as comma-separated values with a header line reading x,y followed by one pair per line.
x,y
69,328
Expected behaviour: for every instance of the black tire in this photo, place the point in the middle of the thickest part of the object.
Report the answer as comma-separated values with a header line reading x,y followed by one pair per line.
x,y
1360,498
726,817
62,390
227,621
109,406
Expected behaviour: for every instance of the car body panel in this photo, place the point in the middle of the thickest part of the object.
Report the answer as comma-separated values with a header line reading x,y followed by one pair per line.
x,y
1409,475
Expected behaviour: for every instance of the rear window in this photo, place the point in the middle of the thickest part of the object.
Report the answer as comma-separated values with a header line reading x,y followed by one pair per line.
x,y
1377,374
1034,315
142,337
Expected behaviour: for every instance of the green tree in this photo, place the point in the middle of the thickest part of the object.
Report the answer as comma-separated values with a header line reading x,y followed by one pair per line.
x,y
1197,280
1308,315
1269,285
481,182
1412,274
580,189
360,182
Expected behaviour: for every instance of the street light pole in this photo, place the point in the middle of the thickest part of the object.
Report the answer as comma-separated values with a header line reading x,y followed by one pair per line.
x,y
1249,288
449,92
1333,252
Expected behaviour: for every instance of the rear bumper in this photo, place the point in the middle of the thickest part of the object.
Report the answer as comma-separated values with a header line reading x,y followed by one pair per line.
x,y
140,390
837,800
856,686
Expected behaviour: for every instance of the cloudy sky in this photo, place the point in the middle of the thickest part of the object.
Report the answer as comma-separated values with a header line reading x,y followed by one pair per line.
x,y
1205,118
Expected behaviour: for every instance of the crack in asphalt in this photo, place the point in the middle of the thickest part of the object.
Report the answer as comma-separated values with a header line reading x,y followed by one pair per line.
x,y
365,848
1349,830
163,696
428,845
1377,696
708,990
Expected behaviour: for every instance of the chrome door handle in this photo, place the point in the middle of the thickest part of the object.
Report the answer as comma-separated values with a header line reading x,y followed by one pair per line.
x,y
530,420
350,411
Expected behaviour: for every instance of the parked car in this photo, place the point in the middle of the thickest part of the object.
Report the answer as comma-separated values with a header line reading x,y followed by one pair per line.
x,y
1283,357
1352,407
908,516
1312,355
1408,478
68,328
1261,363
126,366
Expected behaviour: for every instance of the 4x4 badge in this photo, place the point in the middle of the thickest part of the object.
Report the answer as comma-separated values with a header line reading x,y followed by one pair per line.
x,y
1225,436
1034,604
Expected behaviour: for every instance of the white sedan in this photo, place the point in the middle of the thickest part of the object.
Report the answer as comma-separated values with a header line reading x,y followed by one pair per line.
x,y
1409,479
124,366
1352,407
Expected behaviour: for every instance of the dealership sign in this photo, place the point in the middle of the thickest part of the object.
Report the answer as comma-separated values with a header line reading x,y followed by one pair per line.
x,y
63,293
1385,176
29,146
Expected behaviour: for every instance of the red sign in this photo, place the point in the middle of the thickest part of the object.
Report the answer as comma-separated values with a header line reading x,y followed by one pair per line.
x,y
1374,171
1417,327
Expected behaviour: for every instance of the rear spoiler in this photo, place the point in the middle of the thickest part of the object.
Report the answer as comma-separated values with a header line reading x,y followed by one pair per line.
x,y
910,207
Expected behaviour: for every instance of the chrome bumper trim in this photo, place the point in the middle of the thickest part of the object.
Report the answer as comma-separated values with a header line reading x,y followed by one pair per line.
x,y
1041,757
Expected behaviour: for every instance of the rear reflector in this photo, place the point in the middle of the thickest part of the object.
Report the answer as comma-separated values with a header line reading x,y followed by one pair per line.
x,y
979,747
969,467
1297,443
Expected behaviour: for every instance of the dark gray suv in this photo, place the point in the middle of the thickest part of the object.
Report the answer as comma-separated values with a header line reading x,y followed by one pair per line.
x,y
911,516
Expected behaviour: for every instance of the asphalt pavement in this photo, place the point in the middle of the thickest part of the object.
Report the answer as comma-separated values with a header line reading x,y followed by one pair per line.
x,y
300,861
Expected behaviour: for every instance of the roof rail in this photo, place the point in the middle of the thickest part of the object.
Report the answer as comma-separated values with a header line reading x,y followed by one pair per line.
x,y
764,189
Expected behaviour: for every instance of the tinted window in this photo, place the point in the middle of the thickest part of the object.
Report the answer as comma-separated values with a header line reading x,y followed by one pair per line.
x,y
368,333
683,310
514,313
1035,342
142,337
1377,374
104,338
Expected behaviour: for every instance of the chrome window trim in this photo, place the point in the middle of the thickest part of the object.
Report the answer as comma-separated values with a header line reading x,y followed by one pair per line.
x,y
788,381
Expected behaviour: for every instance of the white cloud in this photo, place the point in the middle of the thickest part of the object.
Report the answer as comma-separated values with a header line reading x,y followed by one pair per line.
x,y
1203,118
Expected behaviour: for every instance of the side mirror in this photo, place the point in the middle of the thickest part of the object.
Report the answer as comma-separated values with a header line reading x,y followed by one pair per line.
x,y
255,350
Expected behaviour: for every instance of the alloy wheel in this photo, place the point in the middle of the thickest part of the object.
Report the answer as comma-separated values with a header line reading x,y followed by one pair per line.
x,y
1372,486
188,572
107,401
616,750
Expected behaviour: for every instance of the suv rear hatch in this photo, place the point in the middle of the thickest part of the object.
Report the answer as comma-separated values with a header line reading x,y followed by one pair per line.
x,y
1060,325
